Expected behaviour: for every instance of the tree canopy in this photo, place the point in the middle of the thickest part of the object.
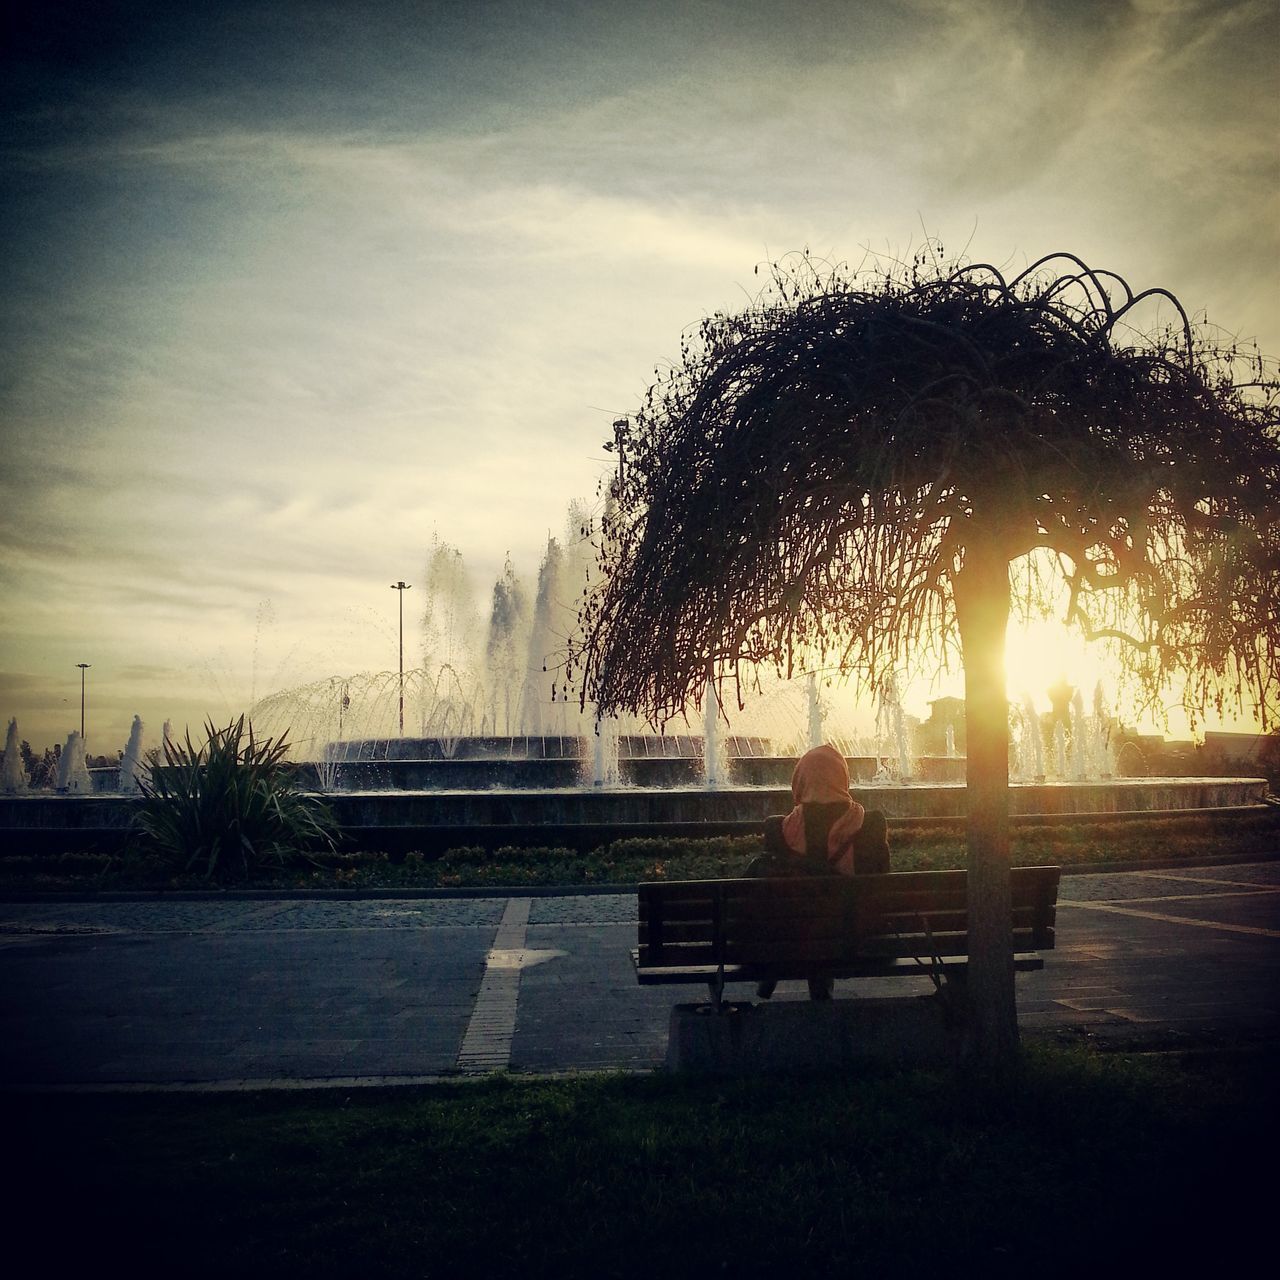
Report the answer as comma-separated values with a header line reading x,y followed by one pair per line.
x,y
875,467
811,473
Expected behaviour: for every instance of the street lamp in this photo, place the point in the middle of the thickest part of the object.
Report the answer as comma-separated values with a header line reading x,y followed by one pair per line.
x,y
401,587
84,666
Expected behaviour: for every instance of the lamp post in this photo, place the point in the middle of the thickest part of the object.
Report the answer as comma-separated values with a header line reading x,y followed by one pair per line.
x,y
84,666
401,587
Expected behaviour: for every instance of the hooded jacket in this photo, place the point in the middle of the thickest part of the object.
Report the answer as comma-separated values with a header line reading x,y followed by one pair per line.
x,y
820,789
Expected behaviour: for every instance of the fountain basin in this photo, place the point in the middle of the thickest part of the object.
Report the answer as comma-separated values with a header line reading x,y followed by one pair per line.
x,y
635,806
534,747
501,763
586,816
479,772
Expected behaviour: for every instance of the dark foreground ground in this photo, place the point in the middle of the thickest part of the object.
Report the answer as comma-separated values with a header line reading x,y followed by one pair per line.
x,y
214,991
252,1132
1091,1163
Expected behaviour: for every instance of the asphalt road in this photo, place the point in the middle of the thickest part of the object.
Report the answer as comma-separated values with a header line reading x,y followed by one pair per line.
x,y
307,991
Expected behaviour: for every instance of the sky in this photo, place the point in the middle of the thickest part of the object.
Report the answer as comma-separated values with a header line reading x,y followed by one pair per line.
x,y
288,290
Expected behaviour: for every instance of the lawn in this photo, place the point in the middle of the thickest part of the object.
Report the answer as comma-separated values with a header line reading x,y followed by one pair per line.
x,y
1199,838
1087,1164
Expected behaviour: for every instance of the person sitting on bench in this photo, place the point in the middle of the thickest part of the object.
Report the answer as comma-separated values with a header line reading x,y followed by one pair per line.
x,y
827,833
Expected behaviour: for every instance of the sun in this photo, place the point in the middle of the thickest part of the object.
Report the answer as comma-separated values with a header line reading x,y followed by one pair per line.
x,y
1039,654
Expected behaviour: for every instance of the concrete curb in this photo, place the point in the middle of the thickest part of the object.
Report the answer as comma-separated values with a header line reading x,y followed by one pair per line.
x,y
826,1035
318,1084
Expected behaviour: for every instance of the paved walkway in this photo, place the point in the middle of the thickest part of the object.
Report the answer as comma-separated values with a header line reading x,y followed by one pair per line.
x,y
235,993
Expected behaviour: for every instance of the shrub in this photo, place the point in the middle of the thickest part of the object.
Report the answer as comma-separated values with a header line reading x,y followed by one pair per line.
x,y
230,807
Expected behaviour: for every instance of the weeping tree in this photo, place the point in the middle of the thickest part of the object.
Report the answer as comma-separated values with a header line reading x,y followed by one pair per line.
x,y
877,468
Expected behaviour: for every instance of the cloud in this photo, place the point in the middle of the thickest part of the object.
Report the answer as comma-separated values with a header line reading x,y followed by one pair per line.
x,y
279,311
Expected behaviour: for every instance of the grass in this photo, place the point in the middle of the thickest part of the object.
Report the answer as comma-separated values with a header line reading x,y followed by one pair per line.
x,y
1089,1164
1193,838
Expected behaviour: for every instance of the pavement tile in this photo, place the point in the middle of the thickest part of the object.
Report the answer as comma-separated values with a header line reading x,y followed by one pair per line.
x,y
295,989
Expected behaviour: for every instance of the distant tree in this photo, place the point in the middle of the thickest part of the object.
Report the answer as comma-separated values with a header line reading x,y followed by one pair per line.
x,y
877,467
29,758
1269,761
44,773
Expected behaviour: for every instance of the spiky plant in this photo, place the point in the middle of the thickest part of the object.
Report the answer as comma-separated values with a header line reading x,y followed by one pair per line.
x,y
228,808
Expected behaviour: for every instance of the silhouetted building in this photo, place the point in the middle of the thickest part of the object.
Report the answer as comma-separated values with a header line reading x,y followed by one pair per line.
x,y
931,735
1253,747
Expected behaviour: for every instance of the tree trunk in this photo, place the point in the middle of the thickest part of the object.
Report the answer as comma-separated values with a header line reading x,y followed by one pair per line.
x,y
982,612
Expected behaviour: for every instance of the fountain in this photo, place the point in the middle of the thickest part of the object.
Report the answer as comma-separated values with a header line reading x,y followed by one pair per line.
x,y
713,760
1032,760
1101,761
890,723
1079,762
584,790
815,738
1060,749
605,773
499,751
73,775
131,762
13,777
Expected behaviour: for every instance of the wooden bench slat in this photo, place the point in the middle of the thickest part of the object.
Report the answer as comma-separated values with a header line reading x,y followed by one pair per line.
x,y
932,881
679,910
678,953
764,933
794,927
869,925
1023,917
831,905
809,889
865,967
815,955
673,931
820,950
943,944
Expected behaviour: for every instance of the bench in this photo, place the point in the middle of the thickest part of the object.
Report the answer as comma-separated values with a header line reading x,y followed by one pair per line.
x,y
899,924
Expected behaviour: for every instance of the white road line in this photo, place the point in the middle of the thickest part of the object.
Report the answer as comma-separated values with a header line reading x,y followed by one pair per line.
x,y
1195,897
1166,919
1171,875
486,1046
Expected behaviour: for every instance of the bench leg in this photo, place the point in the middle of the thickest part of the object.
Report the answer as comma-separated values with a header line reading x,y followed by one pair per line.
x,y
954,993
716,987
821,987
